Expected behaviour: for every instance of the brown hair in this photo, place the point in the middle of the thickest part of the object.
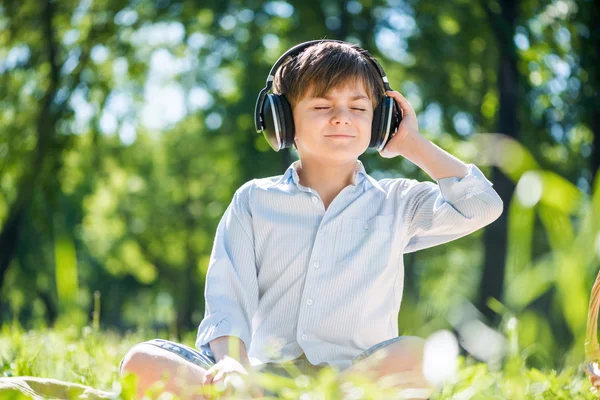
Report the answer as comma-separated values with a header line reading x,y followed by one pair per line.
x,y
325,66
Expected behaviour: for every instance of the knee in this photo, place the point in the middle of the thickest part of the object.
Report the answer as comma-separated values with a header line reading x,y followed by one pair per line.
x,y
411,350
416,346
137,359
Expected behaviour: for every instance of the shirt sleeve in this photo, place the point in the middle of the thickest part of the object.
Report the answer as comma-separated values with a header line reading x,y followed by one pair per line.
x,y
452,208
231,289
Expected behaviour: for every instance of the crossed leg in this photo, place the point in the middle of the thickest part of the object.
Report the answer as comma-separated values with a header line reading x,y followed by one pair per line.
x,y
401,362
151,364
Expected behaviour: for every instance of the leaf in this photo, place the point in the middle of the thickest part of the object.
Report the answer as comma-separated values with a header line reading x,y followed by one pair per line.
x,y
529,284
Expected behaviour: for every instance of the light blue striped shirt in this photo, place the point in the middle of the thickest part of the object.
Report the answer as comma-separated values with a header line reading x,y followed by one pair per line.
x,y
288,277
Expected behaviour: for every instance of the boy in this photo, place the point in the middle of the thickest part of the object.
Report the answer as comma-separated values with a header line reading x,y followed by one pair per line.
x,y
307,267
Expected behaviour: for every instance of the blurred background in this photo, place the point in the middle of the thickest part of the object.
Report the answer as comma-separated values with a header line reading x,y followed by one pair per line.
x,y
126,126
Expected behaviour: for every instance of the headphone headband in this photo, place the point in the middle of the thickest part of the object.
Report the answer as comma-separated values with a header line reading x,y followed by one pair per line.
x,y
259,125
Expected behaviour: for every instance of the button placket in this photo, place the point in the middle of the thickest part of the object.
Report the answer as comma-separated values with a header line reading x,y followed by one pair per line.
x,y
316,265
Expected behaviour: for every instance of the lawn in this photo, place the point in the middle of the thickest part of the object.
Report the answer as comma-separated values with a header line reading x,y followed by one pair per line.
x,y
91,357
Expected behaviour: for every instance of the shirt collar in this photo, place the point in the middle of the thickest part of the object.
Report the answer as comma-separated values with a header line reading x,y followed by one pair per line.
x,y
360,174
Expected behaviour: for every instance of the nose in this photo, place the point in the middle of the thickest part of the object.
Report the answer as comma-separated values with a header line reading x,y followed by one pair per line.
x,y
341,117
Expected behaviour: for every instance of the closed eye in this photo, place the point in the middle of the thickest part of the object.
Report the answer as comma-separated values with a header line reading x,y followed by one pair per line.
x,y
327,108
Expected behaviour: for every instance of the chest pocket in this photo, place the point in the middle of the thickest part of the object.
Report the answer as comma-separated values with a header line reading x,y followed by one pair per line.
x,y
364,243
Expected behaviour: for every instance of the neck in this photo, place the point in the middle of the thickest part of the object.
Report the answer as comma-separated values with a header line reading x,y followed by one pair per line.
x,y
327,178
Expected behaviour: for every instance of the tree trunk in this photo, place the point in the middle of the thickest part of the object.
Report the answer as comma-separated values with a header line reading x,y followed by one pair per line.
x,y
45,128
495,235
590,57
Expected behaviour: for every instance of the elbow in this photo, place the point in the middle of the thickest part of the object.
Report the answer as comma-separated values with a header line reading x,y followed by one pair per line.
x,y
497,211
493,210
490,206
484,210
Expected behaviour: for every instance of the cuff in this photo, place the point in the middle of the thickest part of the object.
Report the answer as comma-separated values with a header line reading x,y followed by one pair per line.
x,y
218,325
454,189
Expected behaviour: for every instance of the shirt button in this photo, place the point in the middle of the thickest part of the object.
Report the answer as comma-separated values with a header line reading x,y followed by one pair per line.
x,y
366,226
314,199
316,264
309,302
303,337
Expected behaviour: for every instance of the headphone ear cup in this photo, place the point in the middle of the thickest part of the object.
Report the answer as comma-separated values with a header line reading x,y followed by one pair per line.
x,y
278,121
273,129
287,118
377,125
386,119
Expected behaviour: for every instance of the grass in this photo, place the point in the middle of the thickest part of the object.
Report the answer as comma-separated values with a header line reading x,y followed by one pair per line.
x,y
91,357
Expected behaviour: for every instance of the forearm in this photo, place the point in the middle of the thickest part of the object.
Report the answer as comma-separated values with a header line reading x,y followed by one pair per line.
x,y
436,162
231,346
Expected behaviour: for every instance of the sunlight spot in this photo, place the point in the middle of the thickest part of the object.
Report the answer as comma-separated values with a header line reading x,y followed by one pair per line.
x,y
529,189
440,357
449,24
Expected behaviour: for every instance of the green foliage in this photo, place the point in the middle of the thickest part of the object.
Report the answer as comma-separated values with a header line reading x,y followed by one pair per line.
x,y
91,357
564,272
115,199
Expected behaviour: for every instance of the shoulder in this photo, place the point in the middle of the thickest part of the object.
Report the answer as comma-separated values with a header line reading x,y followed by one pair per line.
x,y
243,195
257,184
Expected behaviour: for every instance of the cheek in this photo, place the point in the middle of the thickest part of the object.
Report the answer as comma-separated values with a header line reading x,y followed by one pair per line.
x,y
309,121
366,125
366,122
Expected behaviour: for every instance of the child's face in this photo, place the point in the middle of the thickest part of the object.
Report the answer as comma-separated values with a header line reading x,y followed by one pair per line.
x,y
335,127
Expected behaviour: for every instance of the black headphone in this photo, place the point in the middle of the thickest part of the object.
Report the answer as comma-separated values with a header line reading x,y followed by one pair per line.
x,y
273,112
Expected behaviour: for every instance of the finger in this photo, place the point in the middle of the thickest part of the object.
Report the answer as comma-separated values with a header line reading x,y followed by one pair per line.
x,y
406,107
396,94
218,377
208,379
401,100
219,386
